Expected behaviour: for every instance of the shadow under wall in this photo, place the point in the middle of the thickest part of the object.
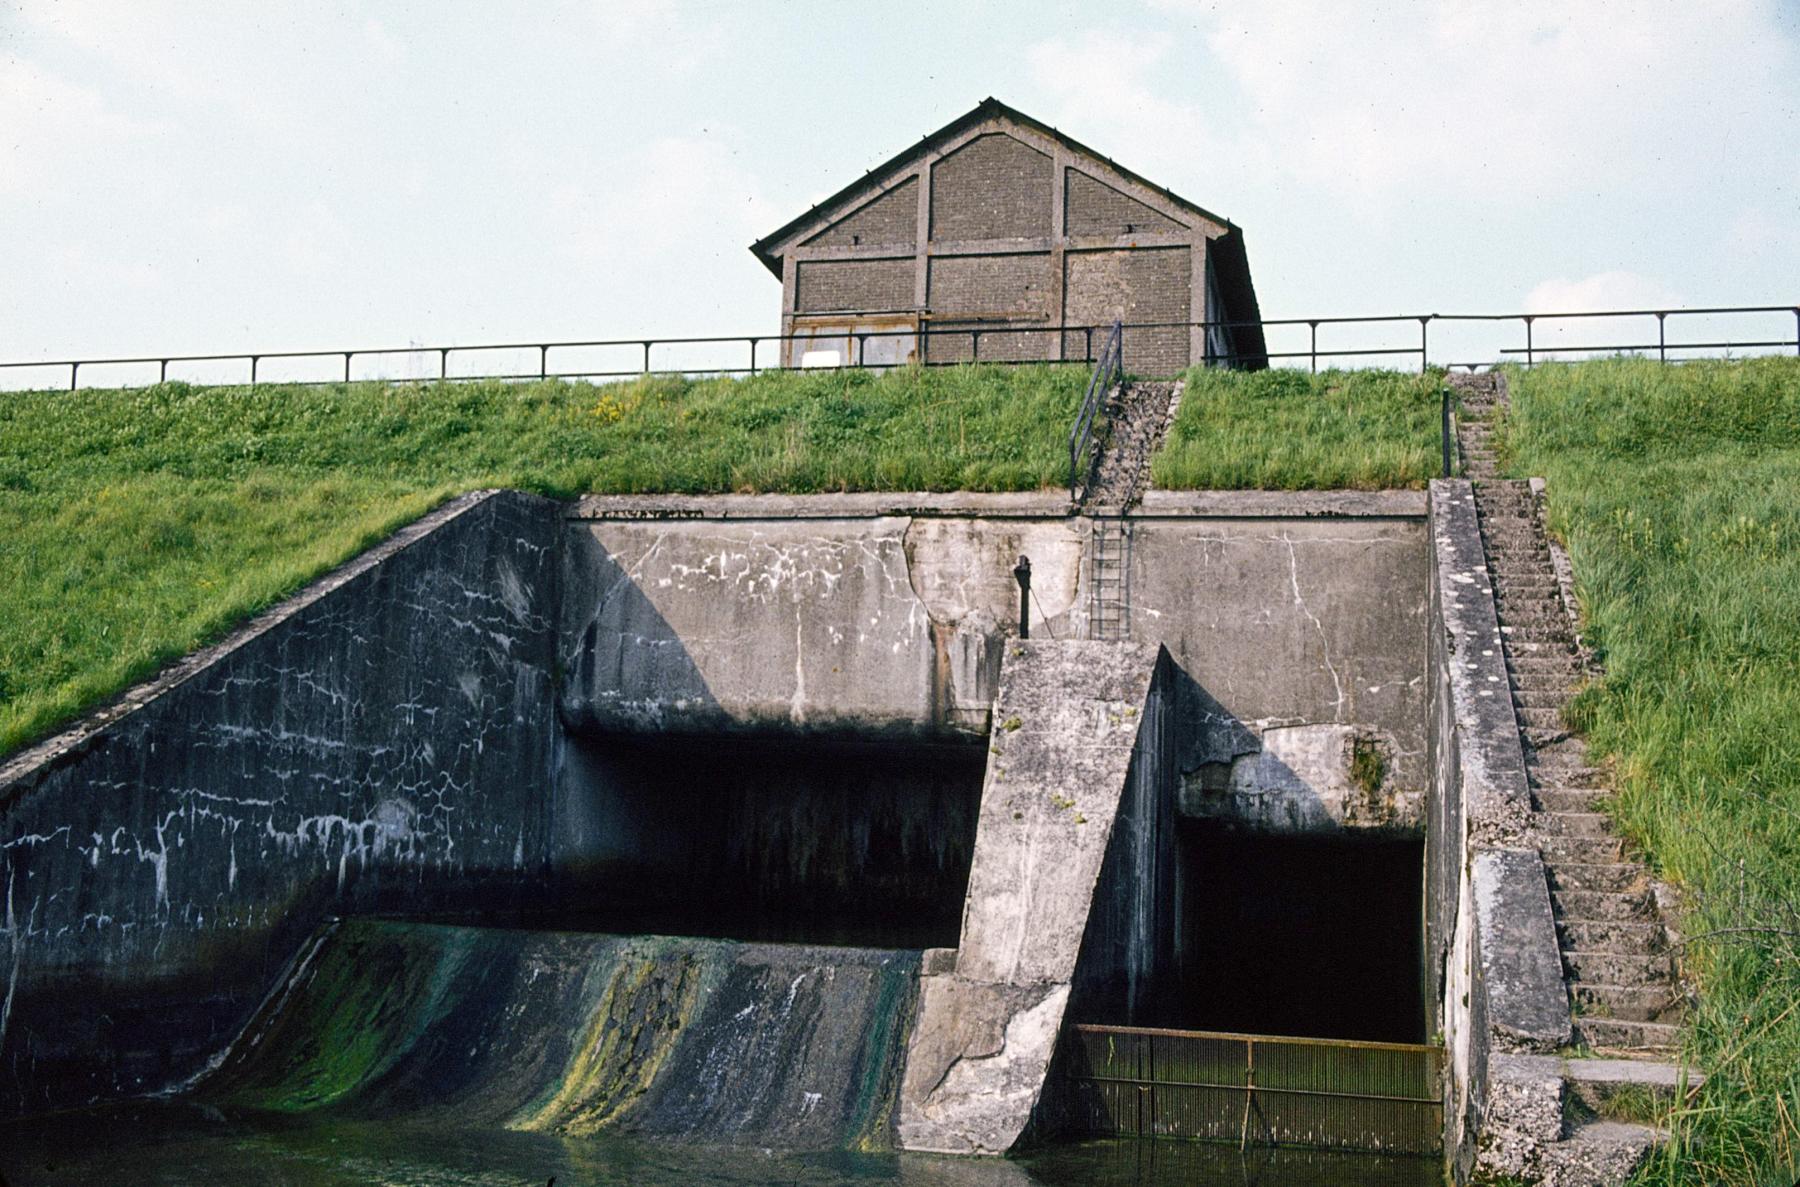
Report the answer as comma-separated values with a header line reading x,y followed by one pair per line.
x,y
786,839
1301,935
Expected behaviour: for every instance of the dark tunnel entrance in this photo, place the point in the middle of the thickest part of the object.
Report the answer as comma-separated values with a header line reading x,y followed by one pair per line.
x,y
785,839
1313,936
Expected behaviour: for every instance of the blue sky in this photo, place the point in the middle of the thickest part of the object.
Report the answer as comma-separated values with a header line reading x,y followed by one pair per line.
x,y
196,177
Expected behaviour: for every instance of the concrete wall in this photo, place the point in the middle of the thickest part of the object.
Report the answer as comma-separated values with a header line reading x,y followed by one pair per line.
x,y
1493,965
379,741
1301,619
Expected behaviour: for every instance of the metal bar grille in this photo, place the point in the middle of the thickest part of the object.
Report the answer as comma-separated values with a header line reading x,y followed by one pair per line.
x,y
1252,1089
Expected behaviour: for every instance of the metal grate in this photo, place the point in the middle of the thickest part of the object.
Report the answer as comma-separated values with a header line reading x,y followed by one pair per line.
x,y
1251,1089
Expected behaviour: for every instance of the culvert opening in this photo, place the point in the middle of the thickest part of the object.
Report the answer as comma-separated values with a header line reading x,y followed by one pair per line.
x,y
1312,936
786,839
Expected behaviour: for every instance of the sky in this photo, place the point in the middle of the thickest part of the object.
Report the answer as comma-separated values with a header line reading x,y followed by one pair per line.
x,y
195,177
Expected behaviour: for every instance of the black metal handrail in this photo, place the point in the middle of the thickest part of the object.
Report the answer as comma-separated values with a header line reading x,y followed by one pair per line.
x,y
929,335
1109,368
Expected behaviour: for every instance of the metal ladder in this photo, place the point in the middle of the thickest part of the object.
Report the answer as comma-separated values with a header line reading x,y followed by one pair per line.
x,y
1109,547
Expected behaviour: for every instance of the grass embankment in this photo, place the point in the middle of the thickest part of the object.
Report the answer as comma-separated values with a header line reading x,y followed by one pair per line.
x,y
1678,492
137,525
1290,430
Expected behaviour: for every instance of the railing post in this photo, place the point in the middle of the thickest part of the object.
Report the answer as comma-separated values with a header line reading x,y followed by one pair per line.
x,y
862,348
974,346
74,369
162,373
646,358
347,355
752,343
543,362
253,361
1089,349
1424,322
443,362
1529,357
1312,350
1797,329
1662,342
1444,428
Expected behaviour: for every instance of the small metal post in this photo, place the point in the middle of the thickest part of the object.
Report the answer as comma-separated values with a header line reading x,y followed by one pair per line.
x,y
1313,350
1424,323
1797,330
1444,430
1022,574
253,359
752,343
347,366
862,348
74,368
1089,331
975,346
543,362
443,361
646,358
1662,341
162,374
1529,357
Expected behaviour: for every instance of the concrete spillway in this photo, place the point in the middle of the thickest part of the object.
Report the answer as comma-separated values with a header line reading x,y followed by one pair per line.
x,y
786,1045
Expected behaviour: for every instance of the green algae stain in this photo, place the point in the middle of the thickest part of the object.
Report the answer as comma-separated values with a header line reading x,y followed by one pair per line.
x,y
373,990
646,1002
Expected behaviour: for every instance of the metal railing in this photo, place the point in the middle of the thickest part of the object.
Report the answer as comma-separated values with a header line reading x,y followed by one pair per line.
x,y
1118,1081
938,345
1108,370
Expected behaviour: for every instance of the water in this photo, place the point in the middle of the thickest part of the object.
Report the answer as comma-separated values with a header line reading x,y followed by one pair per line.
x,y
180,1143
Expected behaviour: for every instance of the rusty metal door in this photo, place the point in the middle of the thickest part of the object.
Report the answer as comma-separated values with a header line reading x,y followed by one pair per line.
x,y
1251,1089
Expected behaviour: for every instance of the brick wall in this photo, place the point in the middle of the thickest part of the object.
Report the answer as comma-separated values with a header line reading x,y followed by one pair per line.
x,y
1097,209
1018,285
994,187
890,220
1145,284
824,285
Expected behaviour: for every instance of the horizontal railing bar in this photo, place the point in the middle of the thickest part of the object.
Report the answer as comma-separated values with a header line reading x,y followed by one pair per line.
x,y
1262,1089
1299,1040
1554,347
924,331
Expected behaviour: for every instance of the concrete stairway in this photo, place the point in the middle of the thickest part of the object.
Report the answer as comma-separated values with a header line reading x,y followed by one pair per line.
x,y
1625,993
1137,416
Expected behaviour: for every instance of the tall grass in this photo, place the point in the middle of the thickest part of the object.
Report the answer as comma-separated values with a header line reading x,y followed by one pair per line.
x,y
1290,430
1678,492
136,525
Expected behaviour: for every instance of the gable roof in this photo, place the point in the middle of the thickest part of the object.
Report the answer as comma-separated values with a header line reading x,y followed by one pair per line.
x,y
1231,264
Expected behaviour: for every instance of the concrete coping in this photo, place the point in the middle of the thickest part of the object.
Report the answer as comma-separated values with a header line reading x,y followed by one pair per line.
x,y
1221,504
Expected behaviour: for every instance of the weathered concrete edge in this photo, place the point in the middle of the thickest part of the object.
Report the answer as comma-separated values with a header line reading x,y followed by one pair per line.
x,y
1224,504
24,769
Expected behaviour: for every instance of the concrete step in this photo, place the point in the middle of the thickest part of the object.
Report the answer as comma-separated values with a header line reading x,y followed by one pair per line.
x,y
1576,823
1576,801
1620,968
1619,1034
1612,876
1542,719
1541,736
1598,1152
1582,850
1656,1002
1536,696
1595,1082
1625,906
1603,935
1566,774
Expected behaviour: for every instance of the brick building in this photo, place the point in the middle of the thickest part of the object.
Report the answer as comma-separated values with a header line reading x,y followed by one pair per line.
x,y
1025,232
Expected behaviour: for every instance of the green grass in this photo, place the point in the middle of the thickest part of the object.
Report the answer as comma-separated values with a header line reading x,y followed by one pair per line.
x,y
1289,430
1677,490
137,525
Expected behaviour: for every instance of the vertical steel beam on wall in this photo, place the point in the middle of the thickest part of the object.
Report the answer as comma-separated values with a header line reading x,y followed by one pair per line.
x,y
1059,243
922,255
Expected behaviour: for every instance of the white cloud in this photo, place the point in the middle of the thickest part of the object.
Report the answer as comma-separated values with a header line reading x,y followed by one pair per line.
x,y
47,122
1499,100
